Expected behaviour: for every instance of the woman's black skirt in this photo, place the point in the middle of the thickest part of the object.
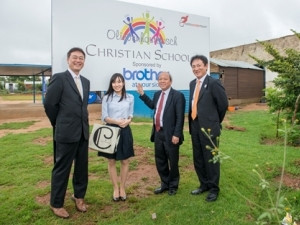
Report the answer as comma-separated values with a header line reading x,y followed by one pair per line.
x,y
125,145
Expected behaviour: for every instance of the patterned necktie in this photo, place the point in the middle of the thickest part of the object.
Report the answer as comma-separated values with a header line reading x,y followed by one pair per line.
x,y
197,91
78,85
157,118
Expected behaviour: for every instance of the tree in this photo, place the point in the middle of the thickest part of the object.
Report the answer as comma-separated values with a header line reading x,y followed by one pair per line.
x,y
21,86
283,98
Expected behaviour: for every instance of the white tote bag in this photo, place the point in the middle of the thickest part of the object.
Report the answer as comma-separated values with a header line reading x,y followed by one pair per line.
x,y
104,138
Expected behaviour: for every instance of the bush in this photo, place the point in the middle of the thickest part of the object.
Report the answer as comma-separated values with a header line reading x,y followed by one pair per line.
x,y
3,92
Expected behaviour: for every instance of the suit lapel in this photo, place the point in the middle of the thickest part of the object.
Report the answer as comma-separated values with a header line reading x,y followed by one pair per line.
x,y
193,85
203,87
84,87
156,97
169,99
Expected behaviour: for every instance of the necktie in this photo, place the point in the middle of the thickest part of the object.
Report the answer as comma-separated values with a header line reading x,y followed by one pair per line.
x,y
157,118
194,107
78,85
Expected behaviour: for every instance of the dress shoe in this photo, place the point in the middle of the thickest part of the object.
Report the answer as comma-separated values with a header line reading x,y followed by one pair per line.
x,y
60,212
160,190
123,198
198,191
116,199
79,203
211,197
172,192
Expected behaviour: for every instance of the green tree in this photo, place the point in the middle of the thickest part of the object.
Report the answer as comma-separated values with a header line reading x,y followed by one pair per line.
x,y
38,87
21,86
15,79
283,98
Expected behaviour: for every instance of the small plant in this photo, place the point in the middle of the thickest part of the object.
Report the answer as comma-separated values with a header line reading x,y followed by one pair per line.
x,y
277,207
218,156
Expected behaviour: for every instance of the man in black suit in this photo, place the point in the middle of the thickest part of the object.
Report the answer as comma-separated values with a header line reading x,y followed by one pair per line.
x,y
66,104
167,131
207,108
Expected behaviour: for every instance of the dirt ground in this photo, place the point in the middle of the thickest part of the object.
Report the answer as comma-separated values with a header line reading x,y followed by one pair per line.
x,y
20,111
144,176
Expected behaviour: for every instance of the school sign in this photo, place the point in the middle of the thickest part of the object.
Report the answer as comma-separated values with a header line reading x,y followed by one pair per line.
x,y
134,40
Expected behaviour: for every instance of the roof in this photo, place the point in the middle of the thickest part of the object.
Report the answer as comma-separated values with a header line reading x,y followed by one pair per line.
x,y
238,64
24,70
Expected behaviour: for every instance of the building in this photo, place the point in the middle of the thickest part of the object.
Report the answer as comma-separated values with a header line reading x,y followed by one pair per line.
x,y
243,52
243,82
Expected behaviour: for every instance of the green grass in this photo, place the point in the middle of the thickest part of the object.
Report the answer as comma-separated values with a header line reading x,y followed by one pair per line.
x,y
142,120
16,125
21,97
25,169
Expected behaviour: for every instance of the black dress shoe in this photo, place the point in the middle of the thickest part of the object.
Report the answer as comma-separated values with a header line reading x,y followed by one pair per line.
x,y
116,199
198,191
123,198
160,190
172,192
211,197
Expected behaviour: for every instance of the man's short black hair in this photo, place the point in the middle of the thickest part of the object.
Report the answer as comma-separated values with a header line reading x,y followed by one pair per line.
x,y
201,57
75,49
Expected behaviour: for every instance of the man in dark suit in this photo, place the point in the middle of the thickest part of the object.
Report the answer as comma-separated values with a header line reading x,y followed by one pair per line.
x,y
207,108
167,131
66,104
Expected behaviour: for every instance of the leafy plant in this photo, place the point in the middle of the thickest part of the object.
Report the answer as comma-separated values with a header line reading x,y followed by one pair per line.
x,y
276,208
282,98
218,156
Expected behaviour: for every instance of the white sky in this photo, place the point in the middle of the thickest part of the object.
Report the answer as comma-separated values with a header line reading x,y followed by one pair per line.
x,y
25,25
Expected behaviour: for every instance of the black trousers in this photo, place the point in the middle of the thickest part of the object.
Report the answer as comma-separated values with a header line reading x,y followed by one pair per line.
x,y
166,159
65,154
208,172
54,146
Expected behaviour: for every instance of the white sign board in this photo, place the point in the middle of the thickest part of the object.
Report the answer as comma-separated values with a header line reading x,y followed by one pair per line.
x,y
134,40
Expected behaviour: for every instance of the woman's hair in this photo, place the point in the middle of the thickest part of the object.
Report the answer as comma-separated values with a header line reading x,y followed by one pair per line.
x,y
110,89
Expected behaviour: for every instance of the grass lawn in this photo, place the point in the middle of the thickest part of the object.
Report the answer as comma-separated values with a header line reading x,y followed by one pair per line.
x,y
25,167
21,97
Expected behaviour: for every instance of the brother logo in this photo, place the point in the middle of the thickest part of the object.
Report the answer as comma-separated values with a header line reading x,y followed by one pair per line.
x,y
146,74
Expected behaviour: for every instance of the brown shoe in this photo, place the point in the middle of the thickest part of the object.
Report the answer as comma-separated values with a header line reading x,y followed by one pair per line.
x,y
60,212
79,203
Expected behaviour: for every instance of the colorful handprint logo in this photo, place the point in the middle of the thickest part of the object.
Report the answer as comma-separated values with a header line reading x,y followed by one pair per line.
x,y
151,32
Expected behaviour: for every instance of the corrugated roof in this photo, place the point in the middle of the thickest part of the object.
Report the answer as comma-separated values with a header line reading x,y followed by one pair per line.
x,y
24,69
229,63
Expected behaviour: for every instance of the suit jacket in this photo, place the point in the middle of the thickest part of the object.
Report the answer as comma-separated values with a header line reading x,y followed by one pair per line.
x,y
173,115
211,106
65,108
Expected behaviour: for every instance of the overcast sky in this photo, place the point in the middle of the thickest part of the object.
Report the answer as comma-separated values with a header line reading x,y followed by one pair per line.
x,y
25,25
